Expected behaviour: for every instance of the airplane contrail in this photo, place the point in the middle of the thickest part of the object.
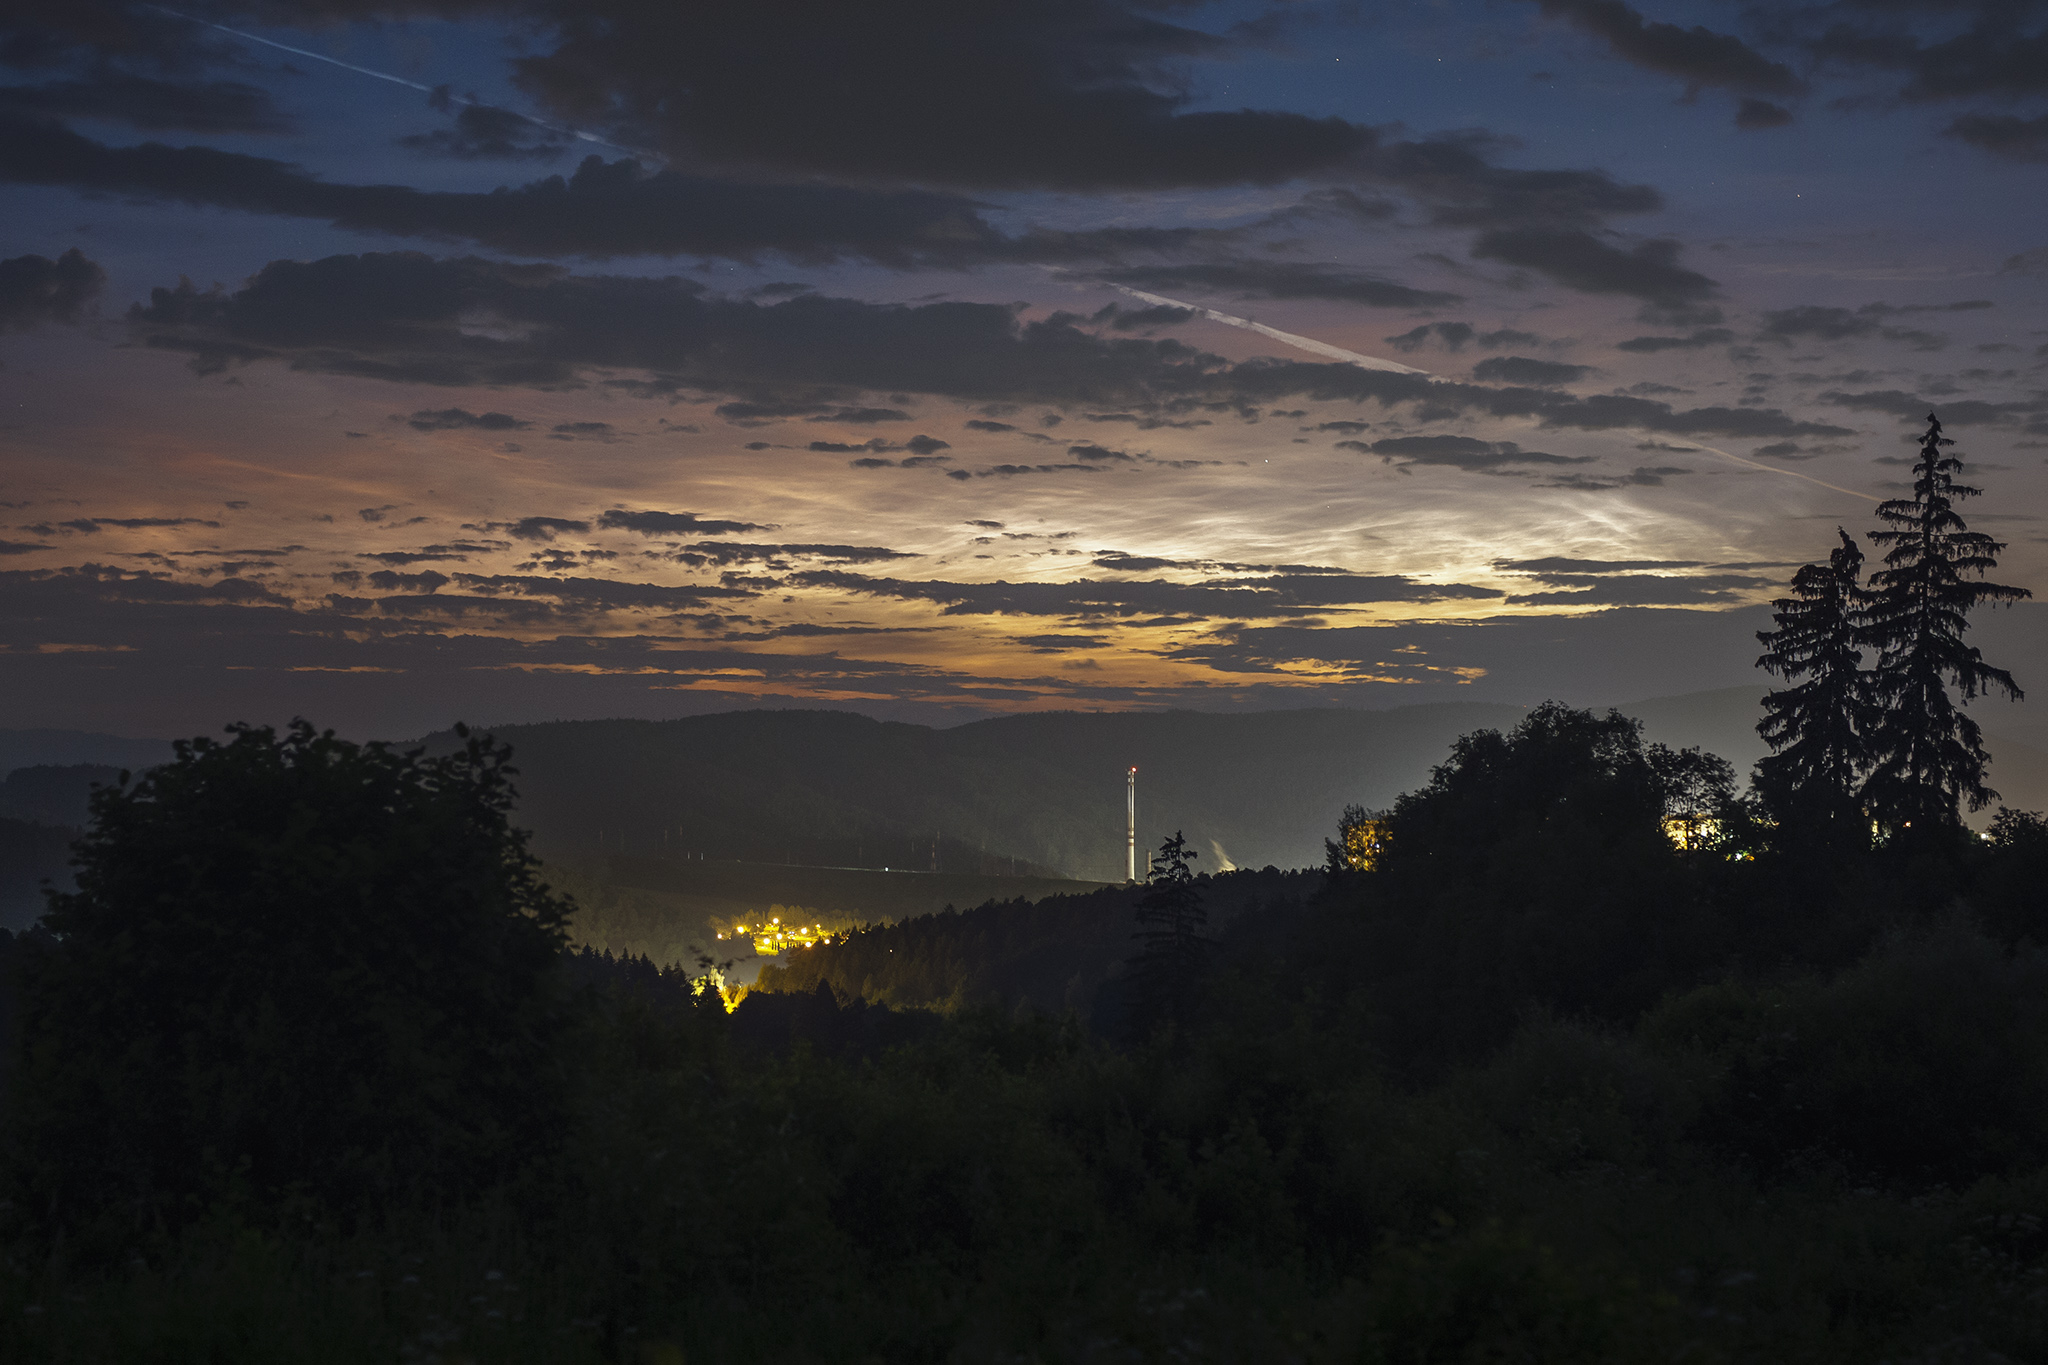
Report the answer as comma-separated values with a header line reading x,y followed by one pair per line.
x,y
453,98
1329,352
1309,344
1793,473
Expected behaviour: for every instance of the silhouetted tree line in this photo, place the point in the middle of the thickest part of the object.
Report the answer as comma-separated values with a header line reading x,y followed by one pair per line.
x,y
1595,1058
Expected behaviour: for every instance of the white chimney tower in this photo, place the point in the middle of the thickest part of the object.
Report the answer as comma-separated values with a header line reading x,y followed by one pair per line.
x,y
1131,825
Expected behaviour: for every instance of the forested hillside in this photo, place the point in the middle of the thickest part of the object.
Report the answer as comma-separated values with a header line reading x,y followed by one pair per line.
x,y
1052,956
671,910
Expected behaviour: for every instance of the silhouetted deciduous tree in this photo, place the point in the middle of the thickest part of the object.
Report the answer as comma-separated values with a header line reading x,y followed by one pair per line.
x,y
1699,794
1819,727
1927,755
1535,868
292,966
1562,778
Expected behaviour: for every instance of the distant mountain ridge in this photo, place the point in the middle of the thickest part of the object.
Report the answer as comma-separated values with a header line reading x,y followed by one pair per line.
x,y
1040,794
33,748
1036,794
1033,795
47,794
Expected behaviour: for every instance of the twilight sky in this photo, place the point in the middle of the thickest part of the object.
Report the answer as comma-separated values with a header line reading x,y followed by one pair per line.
x,y
519,359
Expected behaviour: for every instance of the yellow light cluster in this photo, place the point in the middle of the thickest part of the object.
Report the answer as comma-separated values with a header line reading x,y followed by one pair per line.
x,y
776,937
1364,842
1692,831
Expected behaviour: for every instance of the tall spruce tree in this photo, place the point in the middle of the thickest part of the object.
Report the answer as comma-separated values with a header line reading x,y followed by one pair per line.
x,y
1819,727
1927,755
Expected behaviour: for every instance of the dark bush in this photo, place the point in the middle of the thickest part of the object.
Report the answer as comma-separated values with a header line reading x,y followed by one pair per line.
x,y
1926,1064
2011,890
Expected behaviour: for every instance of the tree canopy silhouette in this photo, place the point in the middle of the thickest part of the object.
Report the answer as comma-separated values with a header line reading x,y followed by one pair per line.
x,y
1535,868
1562,779
1819,727
1927,755
293,965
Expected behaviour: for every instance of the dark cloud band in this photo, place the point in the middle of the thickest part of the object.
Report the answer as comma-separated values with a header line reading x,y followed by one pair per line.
x,y
35,289
412,318
1280,595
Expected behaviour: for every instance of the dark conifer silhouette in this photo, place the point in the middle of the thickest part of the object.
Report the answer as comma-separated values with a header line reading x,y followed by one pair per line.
x,y
1171,949
1819,727
1927,756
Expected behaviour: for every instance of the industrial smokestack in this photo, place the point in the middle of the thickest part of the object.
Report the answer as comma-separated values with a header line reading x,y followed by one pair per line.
x,y
1131,825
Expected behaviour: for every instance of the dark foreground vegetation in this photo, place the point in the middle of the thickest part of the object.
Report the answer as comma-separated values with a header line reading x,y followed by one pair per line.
x,y
1572,1055
303,1074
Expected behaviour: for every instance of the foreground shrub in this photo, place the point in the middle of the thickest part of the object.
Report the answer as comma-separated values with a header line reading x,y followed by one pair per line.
x,y
1927,1064
1572,1097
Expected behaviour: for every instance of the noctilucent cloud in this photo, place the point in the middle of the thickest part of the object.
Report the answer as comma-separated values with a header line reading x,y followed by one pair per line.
x,y
393,361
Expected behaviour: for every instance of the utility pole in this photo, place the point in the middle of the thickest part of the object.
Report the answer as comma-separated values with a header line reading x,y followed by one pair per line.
x,y
1131,825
